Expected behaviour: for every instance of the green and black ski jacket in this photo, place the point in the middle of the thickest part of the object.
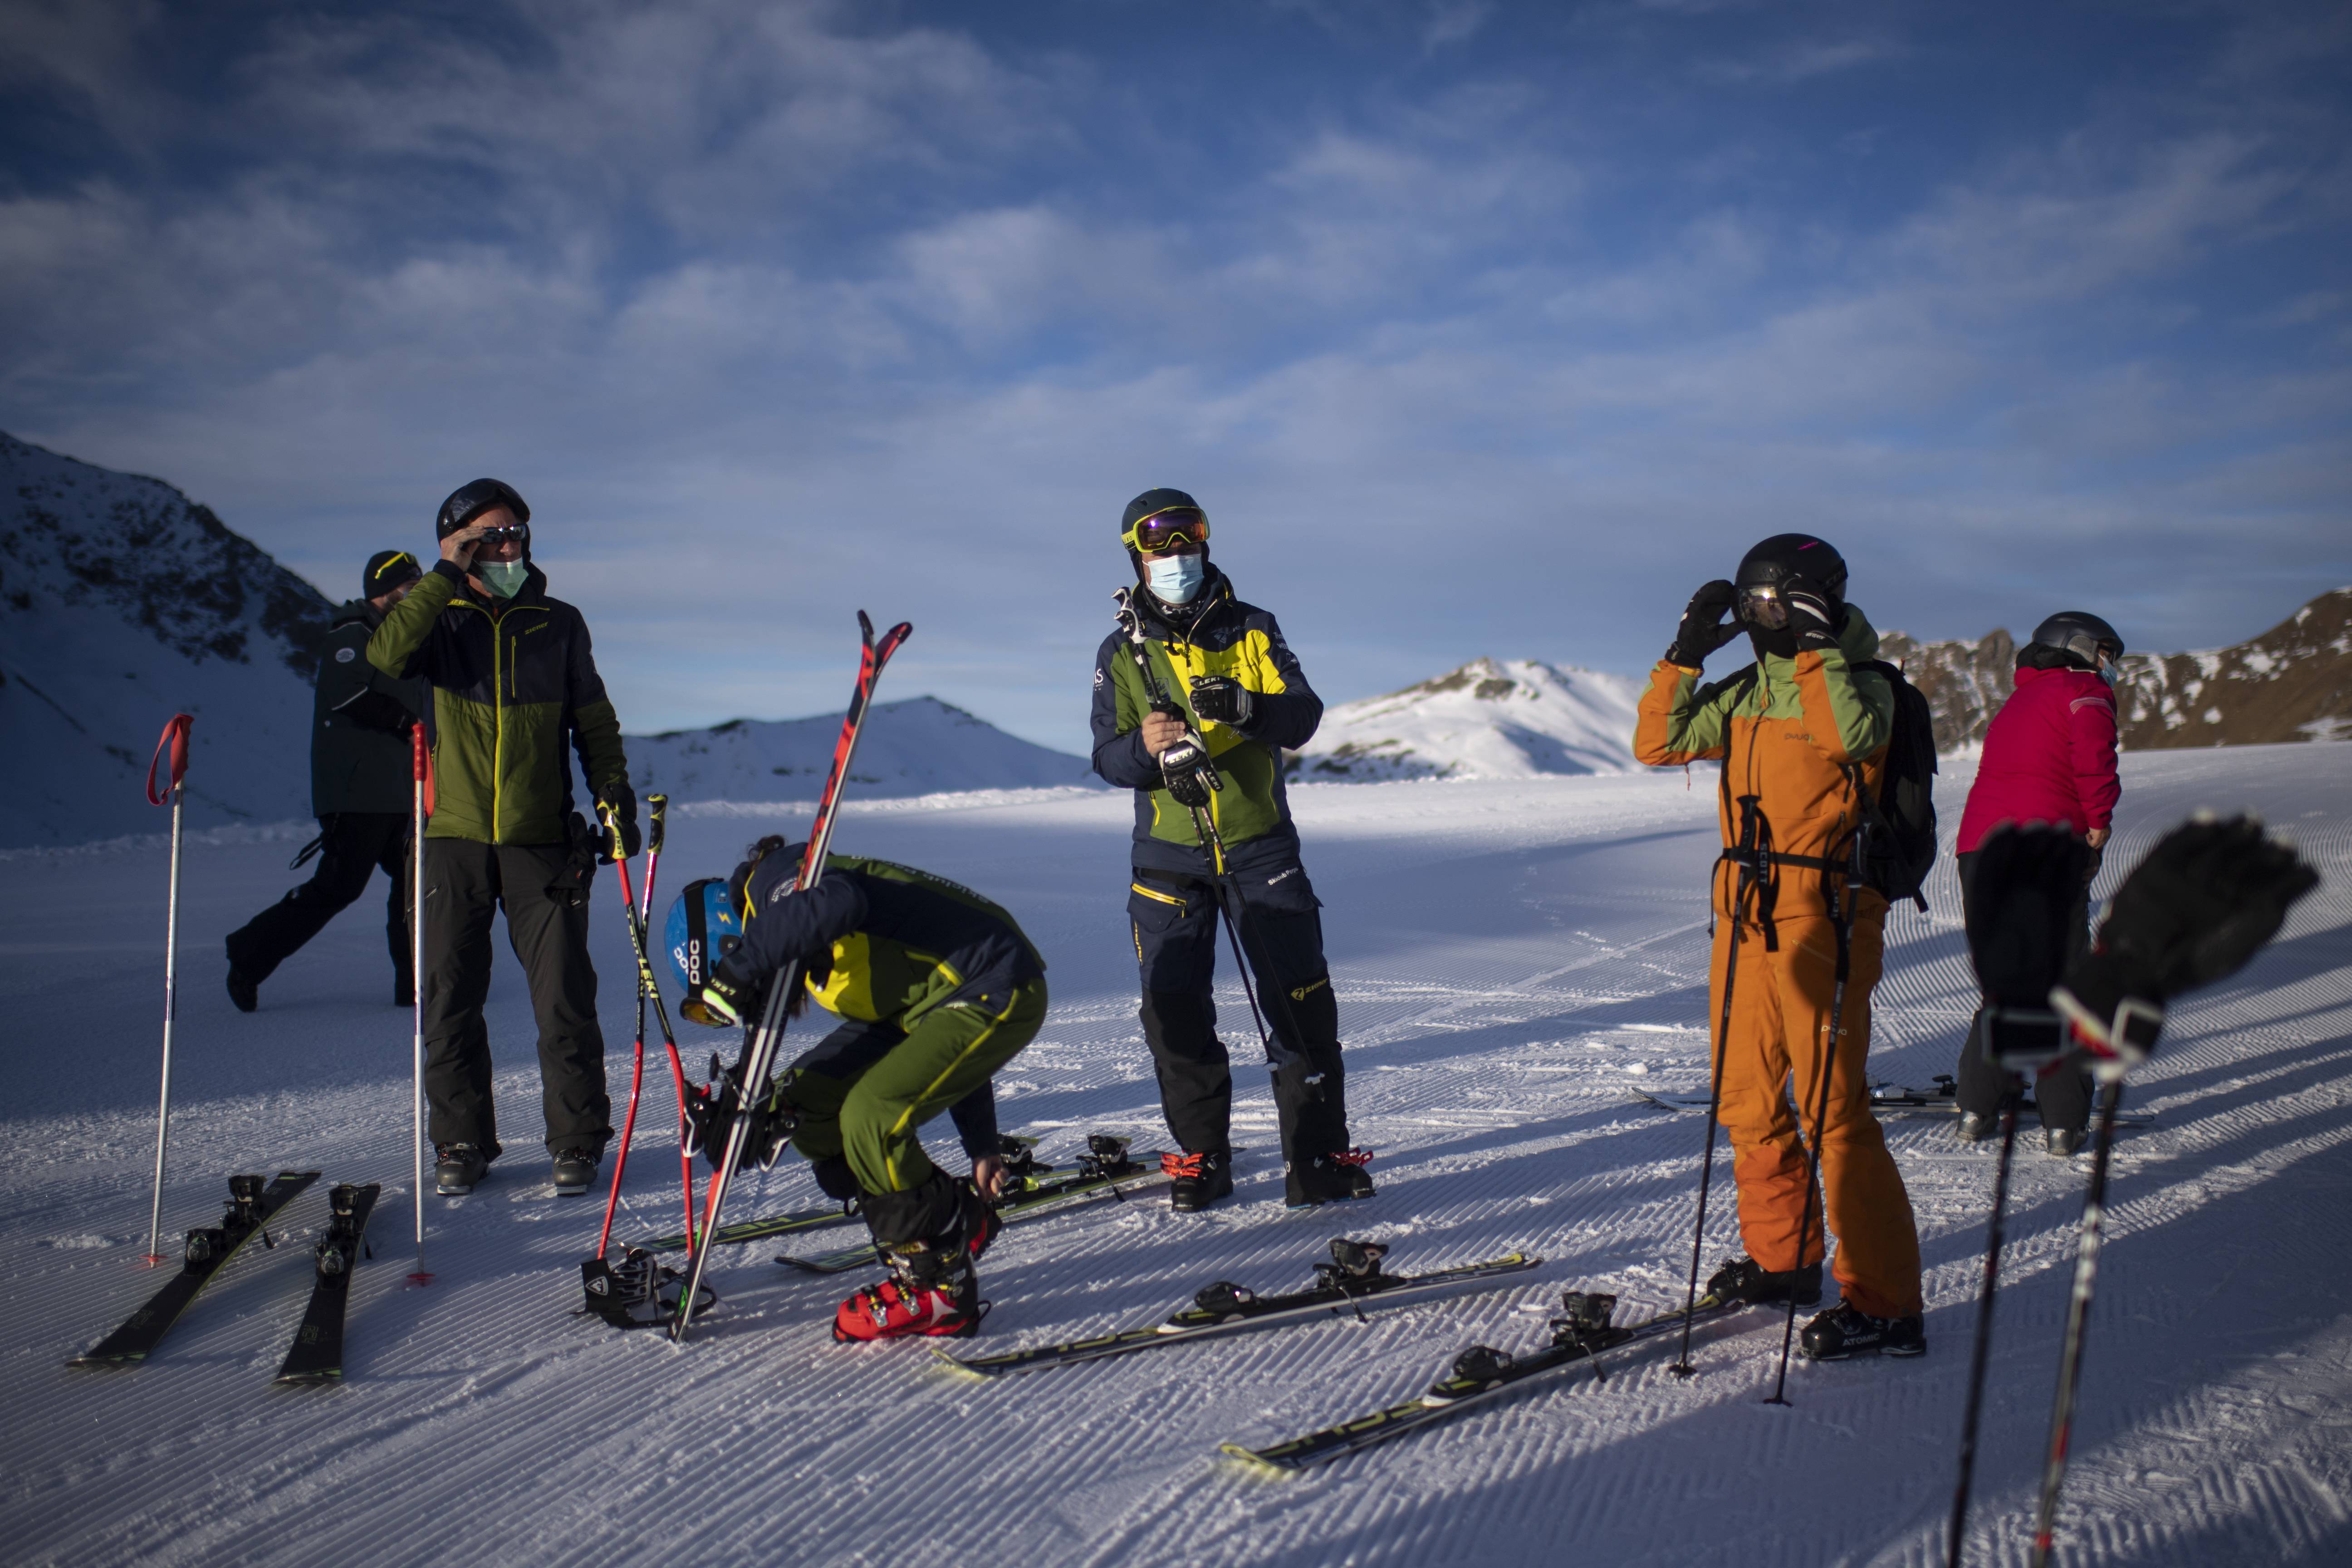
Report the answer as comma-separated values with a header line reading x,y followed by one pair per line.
x,y
884,944
513,684
360,759
1226,638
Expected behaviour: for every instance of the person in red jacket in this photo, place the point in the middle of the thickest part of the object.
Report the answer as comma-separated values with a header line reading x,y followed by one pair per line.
x,y
2049,756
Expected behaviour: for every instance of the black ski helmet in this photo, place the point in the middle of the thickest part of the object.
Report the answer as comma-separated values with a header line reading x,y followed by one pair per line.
x,y
2081,634
1151,503
470,502
1786,555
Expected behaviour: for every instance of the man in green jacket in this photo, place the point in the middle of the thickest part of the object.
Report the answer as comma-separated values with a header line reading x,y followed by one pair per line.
x,y
515,689
361,780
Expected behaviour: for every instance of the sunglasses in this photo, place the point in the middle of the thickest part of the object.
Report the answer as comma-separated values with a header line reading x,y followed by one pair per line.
x,y
1176,526
508,534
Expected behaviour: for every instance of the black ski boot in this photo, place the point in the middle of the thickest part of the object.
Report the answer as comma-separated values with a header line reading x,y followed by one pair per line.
x,y
2061,1143
575,1172
1328,1178
1976,1128
243,989
1742,1279
1845,1330
459,1168
1198,1179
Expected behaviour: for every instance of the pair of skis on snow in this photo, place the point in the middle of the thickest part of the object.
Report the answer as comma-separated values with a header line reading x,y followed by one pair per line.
x,y
1354,1283
317,1353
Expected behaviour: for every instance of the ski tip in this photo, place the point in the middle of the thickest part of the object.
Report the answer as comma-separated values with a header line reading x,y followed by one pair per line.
x,y
956,1363
309,1379
1256,1462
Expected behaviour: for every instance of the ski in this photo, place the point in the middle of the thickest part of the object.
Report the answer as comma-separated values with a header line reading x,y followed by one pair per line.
x,y
251,1206
1022,1164
317,1353
1481,1374
760,1051
1887,1098
1351,1282
1101,1178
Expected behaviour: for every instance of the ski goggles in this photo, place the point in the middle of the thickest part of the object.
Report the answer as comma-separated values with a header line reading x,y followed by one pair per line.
x,y
1178,527
1763,607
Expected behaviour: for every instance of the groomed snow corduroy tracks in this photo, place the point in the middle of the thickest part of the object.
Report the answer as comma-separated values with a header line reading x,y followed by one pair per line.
x,y
1512,959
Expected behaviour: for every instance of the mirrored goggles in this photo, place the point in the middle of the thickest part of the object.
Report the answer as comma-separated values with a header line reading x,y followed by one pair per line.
x,y
1763,607
1176,528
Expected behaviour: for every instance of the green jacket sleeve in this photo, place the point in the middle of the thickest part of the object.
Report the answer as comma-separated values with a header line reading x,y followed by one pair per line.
x,y
398,647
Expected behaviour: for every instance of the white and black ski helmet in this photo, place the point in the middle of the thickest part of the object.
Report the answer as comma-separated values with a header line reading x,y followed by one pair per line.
x,y
2080,633
1786,555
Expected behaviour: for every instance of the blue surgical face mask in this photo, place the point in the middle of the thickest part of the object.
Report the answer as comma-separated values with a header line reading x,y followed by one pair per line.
x,y
503,578
1176,578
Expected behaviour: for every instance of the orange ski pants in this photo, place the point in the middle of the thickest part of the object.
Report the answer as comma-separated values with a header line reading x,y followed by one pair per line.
x,y
1780,1024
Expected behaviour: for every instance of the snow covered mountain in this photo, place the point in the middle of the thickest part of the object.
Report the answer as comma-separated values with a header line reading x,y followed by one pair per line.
x,y
1488,720
2292,683
917,746
120,603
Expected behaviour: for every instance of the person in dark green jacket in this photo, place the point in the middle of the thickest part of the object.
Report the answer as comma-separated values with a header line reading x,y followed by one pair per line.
x,y
515,695
1217,683
361,782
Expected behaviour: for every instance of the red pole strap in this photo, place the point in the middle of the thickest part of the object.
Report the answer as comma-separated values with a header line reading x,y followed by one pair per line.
x,y
175,736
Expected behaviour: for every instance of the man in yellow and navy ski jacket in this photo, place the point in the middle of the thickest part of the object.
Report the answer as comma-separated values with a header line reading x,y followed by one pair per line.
x,y
1802,735
515,696
1204,676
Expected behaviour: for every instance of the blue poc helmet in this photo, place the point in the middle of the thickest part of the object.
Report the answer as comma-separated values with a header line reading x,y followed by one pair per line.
x,y
703,928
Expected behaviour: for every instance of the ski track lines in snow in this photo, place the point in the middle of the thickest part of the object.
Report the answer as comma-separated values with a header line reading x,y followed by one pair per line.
x,y
1513,961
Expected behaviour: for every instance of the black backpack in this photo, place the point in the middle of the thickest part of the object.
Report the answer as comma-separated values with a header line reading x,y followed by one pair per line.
x,y
1900,848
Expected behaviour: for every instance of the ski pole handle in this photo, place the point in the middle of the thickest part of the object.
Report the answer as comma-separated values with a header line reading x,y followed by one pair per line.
x,y
657,819
419,759
176,740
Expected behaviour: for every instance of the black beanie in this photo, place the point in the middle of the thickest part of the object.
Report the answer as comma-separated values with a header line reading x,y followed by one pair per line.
x,y
1149,501
467,502
387,570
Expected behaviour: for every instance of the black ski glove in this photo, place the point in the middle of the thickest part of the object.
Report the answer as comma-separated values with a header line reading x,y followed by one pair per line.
x,y
616,814
2202,903
1188,773
1219,700
1707,624
1813,614
2025,884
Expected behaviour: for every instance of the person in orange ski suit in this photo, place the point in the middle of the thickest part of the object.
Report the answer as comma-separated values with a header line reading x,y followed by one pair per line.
x,y
1803,734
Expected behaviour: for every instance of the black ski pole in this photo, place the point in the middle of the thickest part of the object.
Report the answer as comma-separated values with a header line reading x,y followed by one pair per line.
x,y
1748,847
1843,915
1982,1354
2078,1317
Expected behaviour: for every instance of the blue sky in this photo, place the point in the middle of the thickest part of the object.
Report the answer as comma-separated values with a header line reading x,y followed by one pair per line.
x,y
1479,329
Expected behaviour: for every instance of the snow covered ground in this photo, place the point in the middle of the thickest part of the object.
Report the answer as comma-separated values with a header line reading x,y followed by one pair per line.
x,y
1514,959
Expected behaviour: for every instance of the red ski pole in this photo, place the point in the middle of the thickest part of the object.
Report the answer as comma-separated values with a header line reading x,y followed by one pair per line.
x,y
174,739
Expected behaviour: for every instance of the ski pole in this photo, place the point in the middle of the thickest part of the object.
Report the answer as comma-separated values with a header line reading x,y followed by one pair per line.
x,y
1748,845
2078,1315
760,1054
1982,1354
421,771
637,1067
174,739
657,811
1843,914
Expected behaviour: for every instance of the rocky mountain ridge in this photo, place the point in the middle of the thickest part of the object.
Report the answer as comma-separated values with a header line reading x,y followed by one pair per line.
x,y
2293,682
